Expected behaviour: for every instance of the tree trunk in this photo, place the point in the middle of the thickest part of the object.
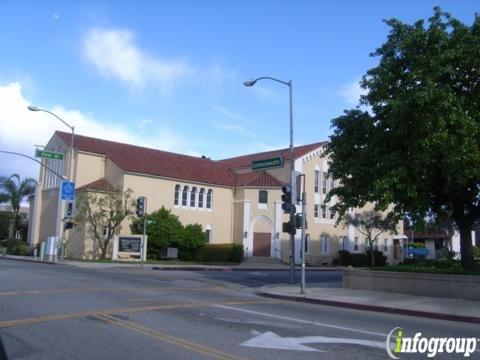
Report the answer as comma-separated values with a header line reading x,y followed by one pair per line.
x,y
466,250
372,256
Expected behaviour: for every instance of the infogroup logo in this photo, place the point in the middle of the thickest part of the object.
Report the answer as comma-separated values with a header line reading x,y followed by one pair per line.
x,y
397,343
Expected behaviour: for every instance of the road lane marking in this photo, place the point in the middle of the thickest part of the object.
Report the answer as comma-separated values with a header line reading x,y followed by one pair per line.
x,y
301,321
174,340
50,291
270,340
40,319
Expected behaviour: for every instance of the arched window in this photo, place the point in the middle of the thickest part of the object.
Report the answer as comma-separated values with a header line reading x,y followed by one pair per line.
x,y
200,197
209,199
184,196
177,194
193,196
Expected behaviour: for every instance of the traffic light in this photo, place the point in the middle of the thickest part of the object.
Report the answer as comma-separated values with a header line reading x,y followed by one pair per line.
x,y
288,228
69,209
287,199
141,206
299,221
68,225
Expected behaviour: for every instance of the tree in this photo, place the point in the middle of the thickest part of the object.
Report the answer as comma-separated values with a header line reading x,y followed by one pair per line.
x,y
14,191
418,145
164,229
372,224
101,213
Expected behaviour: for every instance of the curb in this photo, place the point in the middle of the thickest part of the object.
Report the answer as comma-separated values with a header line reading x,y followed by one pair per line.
x,y
28,260
203,268
384,309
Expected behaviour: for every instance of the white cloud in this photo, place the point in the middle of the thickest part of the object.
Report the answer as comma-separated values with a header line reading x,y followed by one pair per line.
x,y
115,54
351,93
21,129
55,16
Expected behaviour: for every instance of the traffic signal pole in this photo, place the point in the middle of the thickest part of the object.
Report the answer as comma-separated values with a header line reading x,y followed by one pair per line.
x,y
292,179
142,249
304,220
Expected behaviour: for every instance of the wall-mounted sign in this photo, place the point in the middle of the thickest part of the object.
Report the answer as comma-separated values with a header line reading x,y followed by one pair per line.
x,y
271,163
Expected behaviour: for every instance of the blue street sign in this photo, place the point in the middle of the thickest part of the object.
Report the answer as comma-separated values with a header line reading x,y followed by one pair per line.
x,y
68,190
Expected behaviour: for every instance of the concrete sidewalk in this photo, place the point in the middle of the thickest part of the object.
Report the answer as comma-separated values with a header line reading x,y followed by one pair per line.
x,y
430,307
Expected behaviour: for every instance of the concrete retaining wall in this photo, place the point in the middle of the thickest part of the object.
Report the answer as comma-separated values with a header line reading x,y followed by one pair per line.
x,y
436,285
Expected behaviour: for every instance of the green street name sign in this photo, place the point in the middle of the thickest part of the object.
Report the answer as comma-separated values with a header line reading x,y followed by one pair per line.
x,y
48,154
276,162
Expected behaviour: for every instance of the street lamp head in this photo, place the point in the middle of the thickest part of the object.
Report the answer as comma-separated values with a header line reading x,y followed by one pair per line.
x,y
249,83
33,108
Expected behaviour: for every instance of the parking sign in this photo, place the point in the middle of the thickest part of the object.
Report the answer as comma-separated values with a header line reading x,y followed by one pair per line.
x,y
68,190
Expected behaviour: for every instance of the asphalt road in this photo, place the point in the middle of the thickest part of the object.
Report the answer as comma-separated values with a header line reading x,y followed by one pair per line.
x,y
64,312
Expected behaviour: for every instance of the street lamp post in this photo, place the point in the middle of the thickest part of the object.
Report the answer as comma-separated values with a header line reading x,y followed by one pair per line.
x,y
289,83
70,164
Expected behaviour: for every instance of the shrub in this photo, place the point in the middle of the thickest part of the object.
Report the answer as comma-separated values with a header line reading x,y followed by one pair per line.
x,y
344,258
359,260
17,247
380,258
220,253
476,251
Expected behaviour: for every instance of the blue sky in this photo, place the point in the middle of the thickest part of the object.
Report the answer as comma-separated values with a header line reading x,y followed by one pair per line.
x,y
168,74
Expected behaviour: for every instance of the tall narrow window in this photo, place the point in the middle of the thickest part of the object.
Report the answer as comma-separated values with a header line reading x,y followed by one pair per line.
x,y
385,245
177,195
332,182
262,197
355,245
325,244
315,210
332,213
208,234
200,198
317,179
185,196
193,197
324,182
209,199
324,212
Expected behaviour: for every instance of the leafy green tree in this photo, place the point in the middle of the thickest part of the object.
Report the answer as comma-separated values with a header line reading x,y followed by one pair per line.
x,y
418,145
14,191
5,218
372,224
164,229
100,210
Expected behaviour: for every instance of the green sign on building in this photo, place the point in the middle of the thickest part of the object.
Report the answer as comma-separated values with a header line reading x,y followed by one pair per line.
x,y
48,154
275,162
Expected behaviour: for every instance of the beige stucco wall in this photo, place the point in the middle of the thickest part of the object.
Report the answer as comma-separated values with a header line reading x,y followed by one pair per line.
x,y
113,173
161,192
88,168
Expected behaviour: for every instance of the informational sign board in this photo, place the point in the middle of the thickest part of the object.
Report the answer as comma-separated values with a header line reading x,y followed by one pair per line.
x,y
276,162
129,247
68,190
129,244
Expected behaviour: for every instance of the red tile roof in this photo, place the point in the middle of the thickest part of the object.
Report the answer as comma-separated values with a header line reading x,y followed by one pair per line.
x,y
258,179
143,160
246,160
100,184
137,159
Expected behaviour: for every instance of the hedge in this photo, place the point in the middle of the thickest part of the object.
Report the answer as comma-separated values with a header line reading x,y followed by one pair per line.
x,y
220,253
346,258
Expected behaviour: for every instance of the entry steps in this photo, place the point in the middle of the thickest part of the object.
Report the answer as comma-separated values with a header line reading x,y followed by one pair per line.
x,y
261,260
